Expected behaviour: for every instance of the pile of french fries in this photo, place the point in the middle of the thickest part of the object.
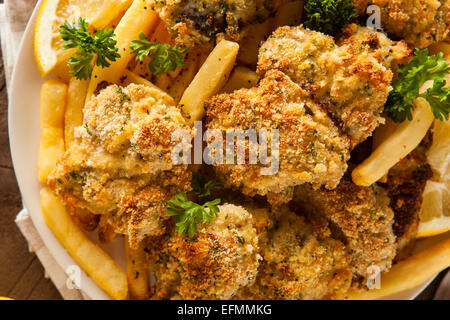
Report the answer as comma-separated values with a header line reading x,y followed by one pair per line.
x,y
204,75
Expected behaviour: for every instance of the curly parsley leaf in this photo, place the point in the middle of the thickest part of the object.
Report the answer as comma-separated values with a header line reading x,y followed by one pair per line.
x,y
188,215
329,16
101,45
411,77
200,187
163,57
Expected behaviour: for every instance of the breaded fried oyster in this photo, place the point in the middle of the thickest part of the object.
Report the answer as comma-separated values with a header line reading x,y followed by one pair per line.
x,y
120,166
359,216
220,260
311,148
419,22
198,21
300,262
352,77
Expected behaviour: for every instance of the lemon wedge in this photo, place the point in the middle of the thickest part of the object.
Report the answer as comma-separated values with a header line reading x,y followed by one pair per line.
x,y
435,211
48,45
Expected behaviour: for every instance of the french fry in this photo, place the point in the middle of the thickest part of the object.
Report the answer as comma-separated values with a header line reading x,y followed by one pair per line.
x,y
110,10
73,116
161,33
209,79
131,77
255,34
137,272
289,14
404,138
140,17
184,78
94,261
51,148
241,77
443,47
409,273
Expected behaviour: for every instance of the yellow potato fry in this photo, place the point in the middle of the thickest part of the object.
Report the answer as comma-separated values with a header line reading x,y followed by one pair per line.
x,y
241,77
137,272
131,77
443,47
140,17
94,261
73,116
51,147
289,14
182,81
163,82
110,10
210,79
255,34
409,273
53,103
404,138
161,34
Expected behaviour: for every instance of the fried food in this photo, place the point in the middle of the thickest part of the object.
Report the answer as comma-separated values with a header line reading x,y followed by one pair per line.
x,y
351,78
120,166
193,22
360,217
300,262
216,263
405,185
420,23
311,147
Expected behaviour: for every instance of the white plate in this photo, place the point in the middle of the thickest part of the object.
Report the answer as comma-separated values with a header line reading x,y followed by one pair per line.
x,y
24,140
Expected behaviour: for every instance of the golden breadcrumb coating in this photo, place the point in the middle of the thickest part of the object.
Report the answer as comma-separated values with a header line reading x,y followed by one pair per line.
x,y
193,22
311,148
351,77
121,165
300,262
360,216
405,184
216,263
419,22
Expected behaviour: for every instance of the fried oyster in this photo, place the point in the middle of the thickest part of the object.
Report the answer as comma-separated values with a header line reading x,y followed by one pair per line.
x,y
120,166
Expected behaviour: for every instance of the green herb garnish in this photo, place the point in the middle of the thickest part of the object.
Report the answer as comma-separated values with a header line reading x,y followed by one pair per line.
x,y
329,16
163,57
411,77
102,45
188,215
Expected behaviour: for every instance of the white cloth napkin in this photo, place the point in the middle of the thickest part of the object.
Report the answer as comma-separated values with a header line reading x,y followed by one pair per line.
x,y
14,15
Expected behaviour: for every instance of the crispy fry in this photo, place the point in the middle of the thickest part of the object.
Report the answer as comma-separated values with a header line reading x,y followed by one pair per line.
x,y
137,272
255,34
94,261
289,14
182,81
110,10
409,273
51,148
403,139
140,17
241,77
73,116
210,79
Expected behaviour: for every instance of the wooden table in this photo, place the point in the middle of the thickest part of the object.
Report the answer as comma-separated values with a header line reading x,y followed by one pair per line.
x,y
21,273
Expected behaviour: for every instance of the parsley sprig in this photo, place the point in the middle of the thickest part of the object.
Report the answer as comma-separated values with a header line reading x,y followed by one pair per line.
x,y
329,16
101,45
412,76
163,57
188,214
